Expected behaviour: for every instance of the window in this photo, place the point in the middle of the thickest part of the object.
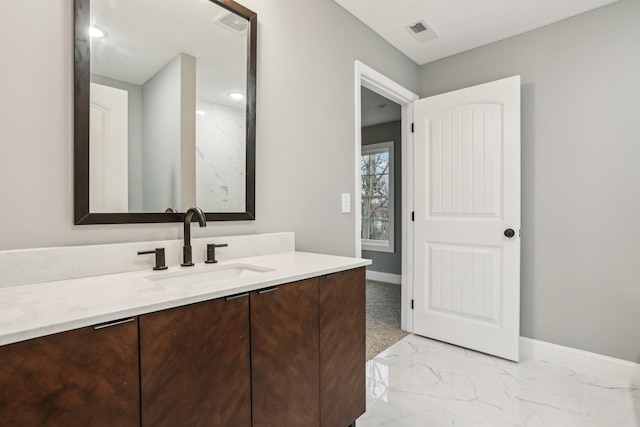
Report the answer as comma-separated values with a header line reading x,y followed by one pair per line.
x,y
376,192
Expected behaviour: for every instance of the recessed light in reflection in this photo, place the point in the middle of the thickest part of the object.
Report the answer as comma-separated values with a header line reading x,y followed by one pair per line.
x,y
96,33
200,112
236,95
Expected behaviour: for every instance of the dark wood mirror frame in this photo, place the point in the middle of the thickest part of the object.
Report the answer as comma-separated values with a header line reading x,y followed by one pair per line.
x,y
82,62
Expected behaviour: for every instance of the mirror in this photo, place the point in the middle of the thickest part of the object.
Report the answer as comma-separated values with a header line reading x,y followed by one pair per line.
x,y
164,110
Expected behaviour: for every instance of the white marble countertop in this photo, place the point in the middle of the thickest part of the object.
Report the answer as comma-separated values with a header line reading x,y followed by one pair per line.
x,y
35,310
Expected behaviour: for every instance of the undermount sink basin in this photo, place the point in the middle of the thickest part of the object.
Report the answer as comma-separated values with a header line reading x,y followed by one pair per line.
x,y
207,275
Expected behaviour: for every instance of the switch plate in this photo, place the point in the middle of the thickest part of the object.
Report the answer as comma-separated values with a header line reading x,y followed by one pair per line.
x,y
346,203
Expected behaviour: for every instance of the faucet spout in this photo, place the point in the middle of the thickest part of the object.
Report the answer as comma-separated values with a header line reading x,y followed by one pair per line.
x,y
187,259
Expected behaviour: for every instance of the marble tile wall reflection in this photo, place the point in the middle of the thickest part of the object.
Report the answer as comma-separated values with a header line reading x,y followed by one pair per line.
x,y
220,158
421,382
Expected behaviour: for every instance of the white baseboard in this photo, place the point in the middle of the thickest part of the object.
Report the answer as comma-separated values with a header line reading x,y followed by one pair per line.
x,y
396,279
579,360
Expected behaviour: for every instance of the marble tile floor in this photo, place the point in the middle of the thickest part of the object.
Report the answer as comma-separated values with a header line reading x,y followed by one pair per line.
x,y
421,382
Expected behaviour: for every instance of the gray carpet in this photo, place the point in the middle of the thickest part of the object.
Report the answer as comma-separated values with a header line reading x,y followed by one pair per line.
x,y
383,317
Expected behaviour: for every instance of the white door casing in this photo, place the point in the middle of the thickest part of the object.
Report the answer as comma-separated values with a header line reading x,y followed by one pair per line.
x,y
466,194
108,150
383,85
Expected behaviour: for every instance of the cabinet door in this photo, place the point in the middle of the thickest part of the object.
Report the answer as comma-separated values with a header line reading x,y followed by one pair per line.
x,y
342,347
84,377
284,355
195,368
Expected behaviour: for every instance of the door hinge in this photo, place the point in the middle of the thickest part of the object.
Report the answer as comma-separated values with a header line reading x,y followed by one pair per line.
x,y
412,128
411,304
413,216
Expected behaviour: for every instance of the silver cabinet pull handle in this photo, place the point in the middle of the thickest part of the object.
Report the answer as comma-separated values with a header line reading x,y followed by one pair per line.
x,y
232,297
113,323
264,291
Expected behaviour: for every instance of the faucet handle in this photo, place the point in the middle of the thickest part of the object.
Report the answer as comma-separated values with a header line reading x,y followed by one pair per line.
x,y
160,258
211,252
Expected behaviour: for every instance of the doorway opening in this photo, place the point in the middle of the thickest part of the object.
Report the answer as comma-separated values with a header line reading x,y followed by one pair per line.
x,y
383,203
380,201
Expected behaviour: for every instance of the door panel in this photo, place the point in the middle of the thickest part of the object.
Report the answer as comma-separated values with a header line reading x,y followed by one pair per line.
x,y
84,377
195,365
466,193
464,280
108,149
342,347
285,355
464,162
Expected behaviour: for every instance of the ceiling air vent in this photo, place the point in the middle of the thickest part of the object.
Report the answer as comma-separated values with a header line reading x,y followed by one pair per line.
x,y
233,22
421,31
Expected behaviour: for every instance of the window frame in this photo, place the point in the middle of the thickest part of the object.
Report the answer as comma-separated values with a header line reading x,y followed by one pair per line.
x,y
381,245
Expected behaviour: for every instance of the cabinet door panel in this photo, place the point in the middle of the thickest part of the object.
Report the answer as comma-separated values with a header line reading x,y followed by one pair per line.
x,y
195,366
342,347
84,377
285,355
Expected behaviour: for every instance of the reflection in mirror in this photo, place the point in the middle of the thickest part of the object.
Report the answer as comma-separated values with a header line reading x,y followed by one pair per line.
x,y
176,136
171,115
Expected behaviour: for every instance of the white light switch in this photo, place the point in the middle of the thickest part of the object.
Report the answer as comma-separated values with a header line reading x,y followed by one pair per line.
x,y
346,203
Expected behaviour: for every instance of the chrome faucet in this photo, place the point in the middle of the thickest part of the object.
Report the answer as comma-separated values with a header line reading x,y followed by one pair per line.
x,y
187,260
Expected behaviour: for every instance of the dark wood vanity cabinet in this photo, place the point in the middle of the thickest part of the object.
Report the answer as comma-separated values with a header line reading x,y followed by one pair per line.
x,y
194,365
285,355
290,355
84,377
342,347
308,352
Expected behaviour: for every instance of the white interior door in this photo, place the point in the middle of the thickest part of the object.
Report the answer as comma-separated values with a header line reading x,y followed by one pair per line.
x,y
108,150
466,199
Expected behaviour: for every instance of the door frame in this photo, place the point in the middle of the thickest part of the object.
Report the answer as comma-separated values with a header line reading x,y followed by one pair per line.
x,y
382,85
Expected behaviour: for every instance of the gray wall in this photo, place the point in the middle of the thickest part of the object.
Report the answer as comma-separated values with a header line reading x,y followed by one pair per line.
x,y
580,172
168,138
305,110
161,126
389,262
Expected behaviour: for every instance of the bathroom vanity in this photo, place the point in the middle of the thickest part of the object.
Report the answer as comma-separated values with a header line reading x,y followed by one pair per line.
x,y
283,344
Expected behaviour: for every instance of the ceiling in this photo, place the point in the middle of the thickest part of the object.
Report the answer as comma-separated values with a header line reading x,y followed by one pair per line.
x,y
376,109
459,25
143,36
